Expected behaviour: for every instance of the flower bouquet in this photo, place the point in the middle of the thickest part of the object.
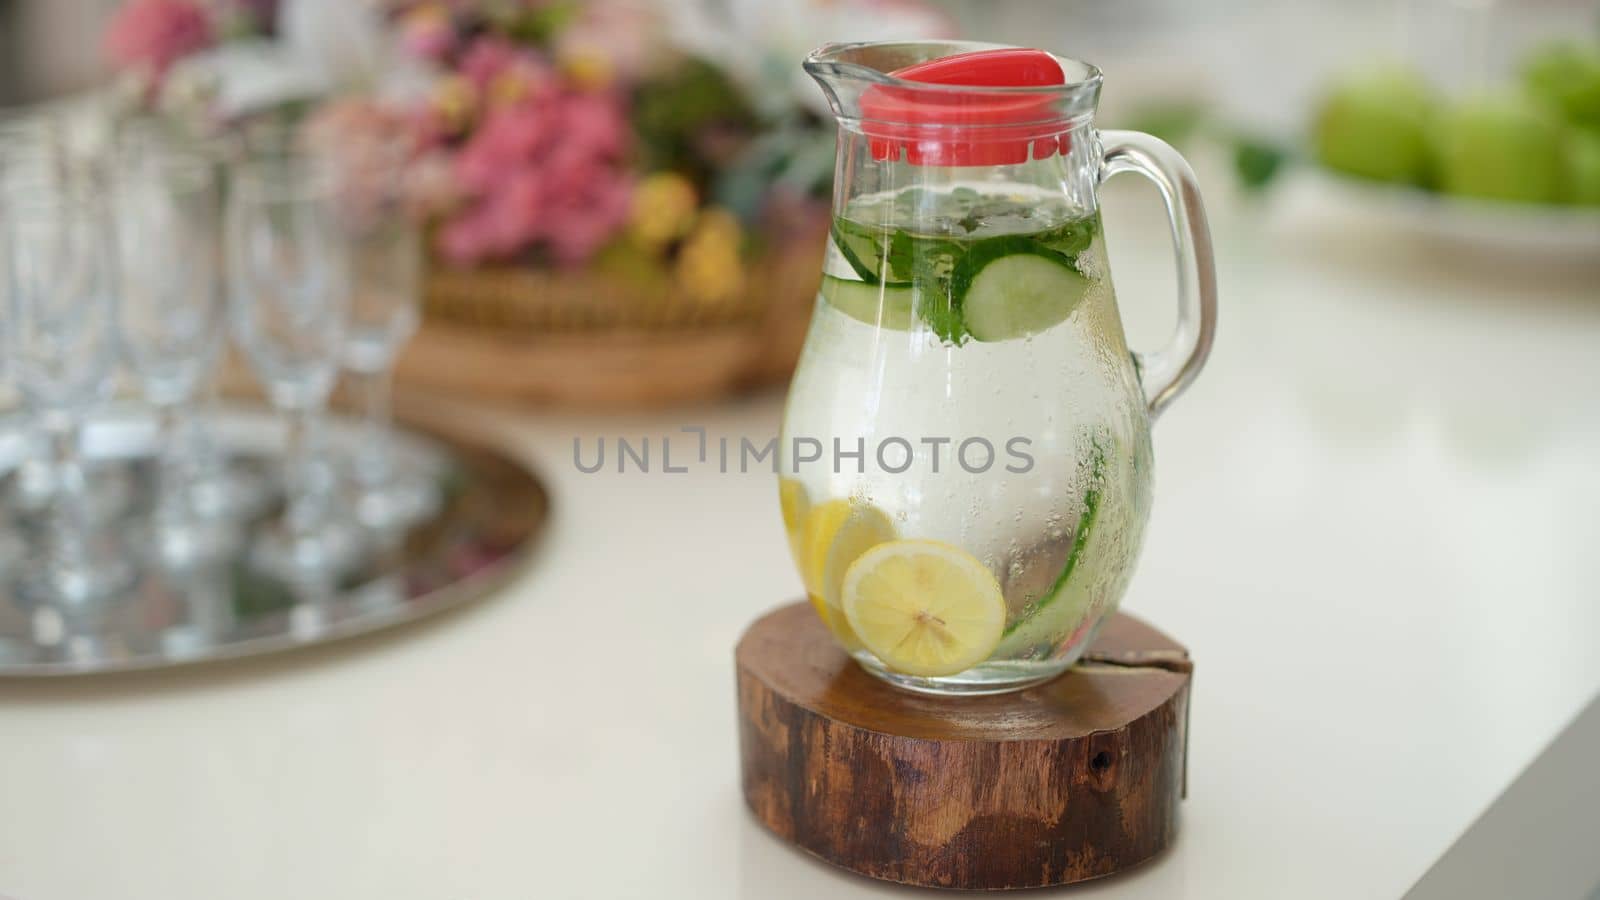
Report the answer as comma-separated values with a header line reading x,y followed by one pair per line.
x,y
625,201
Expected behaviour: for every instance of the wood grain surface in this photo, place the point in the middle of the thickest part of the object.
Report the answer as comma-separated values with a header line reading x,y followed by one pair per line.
x,y
1070,780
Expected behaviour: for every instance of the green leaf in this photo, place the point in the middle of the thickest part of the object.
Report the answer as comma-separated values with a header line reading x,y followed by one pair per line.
x,y
942,313
1072,238
672,115
902,252
929,263
541,24
1257,162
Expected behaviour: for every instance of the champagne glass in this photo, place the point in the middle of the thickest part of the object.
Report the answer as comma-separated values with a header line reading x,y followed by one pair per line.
x,y
19,139
10,546
288,304
61,306
16,137
385,311
219,492
32,155
35,157
168,206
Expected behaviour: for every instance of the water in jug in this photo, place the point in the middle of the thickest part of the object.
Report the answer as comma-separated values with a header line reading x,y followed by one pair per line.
x,y
965,460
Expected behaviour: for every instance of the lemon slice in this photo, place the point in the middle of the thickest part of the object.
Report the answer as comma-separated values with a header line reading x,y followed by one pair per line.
x,y
865,528
795,502
822,523
796,505
924,607
835,533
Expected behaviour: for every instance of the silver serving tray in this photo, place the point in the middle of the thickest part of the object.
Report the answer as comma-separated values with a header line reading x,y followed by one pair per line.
x,y
492,510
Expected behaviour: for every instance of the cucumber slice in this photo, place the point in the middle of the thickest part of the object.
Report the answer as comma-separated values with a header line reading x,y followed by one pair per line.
x,y
1011,287
863,249
1062,607
881,305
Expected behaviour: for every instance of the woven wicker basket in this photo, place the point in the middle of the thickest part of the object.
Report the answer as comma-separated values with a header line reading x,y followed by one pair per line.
x,y
586,338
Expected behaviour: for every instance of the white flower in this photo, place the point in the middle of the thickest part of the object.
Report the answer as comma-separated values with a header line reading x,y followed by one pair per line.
x,y
322,46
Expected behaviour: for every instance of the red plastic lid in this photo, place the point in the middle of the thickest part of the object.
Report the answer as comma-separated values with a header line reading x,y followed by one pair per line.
x,y
976,128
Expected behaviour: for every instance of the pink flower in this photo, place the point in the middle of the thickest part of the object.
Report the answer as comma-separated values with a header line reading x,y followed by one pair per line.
x,y
151,35
487,57
508,140
503,221
587,215
615,38
546,173
427,32
594,121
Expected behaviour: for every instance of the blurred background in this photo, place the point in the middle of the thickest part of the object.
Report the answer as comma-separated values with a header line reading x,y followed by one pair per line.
x,y
1218,52
586,217
1405,117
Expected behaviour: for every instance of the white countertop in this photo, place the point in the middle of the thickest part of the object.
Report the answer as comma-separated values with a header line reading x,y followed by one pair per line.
x,y
1375,528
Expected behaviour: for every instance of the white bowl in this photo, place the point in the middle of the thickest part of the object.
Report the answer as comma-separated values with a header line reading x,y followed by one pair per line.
x,y
1570,233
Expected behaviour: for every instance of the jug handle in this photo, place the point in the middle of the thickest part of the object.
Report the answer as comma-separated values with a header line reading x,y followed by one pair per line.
x,y
1167,372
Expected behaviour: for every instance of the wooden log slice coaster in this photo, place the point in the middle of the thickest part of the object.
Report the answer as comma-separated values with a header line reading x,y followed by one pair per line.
x,y
1074,779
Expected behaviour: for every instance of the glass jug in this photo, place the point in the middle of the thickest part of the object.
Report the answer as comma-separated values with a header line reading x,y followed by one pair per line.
x,y
964,464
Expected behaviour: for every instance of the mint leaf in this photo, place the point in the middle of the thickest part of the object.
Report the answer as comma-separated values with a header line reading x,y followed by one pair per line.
x,y
901,255
913,258
942,312
1072,238
928,263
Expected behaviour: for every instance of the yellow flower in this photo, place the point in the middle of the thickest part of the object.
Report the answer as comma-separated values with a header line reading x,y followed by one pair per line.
x,y
588,68
663,208
508,87
719,224
456,100
709,268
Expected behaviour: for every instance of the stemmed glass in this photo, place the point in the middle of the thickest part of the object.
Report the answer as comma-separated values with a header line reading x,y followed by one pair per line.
x,y
61,307
24,141
12,135
385,311
288,303
219,493
34,158
168,207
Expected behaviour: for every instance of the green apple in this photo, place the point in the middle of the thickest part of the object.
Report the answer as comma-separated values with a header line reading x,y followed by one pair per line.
x,y
1583,168
1376,124
1566,75
1502,146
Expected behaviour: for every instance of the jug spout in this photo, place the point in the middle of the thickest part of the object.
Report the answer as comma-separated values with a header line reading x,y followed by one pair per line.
x,y
839,78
